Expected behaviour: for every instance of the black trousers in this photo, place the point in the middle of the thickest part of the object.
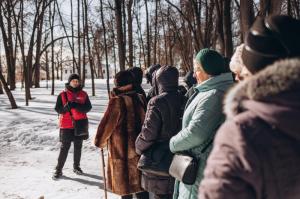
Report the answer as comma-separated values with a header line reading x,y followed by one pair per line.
x,y
63,153
141,195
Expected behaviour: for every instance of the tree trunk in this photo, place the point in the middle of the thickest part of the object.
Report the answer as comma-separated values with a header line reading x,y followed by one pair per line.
x,y
73,44
89,47
227,28
219,25
148,36
47,69
105,47
120,38
155,33
246,16
1,88
52,17
270,7
78,32
61,60
37,64
129,24
8,92
141,42
8,44
84,26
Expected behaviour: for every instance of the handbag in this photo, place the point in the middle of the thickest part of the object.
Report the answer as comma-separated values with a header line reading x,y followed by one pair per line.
x,y
81,127
157,159
184,168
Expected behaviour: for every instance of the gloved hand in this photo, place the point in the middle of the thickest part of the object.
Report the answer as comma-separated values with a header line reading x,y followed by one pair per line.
x,y
73,104
67,107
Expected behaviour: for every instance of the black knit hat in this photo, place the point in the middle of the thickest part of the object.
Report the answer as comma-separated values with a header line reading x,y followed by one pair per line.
x,y
73,76
150,72
123,78
137,74
270,39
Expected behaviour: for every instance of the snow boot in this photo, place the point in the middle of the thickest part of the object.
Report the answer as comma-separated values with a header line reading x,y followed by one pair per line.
x,y
78,171
57,174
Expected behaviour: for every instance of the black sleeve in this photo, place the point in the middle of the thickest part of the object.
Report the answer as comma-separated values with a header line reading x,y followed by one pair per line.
x,y
59,108
86,107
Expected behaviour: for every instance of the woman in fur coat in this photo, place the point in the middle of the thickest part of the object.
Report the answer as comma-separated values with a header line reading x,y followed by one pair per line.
x,y
119,129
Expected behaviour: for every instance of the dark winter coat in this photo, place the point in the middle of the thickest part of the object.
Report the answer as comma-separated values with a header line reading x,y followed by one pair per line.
x,y
189,80
138,89
256,152
79,104
162,121
149,76
119,129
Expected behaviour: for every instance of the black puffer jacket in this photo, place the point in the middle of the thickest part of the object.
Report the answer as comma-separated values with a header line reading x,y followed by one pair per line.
x,y
162,121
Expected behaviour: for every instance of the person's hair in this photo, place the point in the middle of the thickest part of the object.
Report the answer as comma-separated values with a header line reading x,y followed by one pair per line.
x,y
123,78
198,66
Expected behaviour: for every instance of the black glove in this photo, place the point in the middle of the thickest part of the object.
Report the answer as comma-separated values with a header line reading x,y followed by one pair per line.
x,y
67,107
73,104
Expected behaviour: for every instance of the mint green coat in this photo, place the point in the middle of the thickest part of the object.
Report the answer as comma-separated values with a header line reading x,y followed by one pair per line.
x,y
202,117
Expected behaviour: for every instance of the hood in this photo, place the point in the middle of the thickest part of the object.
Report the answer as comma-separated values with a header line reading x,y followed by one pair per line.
x,y
74,90
220,82
272,94
165,79
189,79
150,71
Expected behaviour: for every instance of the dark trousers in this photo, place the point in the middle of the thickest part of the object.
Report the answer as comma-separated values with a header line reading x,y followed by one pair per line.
x,y
141,195
63,153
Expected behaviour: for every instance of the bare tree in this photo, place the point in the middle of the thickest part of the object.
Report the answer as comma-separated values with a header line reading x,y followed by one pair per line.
x,y
8,92
6,14
78,40
148,36
129,24
270,7
120,37
52,20
227,28
246,16
105,47
91,62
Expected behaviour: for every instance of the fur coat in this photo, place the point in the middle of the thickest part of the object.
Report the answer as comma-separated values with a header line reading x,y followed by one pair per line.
x,y
119,129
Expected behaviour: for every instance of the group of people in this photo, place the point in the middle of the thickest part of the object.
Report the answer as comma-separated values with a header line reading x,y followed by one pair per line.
x,y
241,126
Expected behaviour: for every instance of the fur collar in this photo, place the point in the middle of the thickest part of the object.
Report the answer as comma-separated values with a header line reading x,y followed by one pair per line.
x,y
280,77
122,90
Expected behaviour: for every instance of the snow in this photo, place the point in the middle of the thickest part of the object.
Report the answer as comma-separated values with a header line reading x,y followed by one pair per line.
x,y
29,148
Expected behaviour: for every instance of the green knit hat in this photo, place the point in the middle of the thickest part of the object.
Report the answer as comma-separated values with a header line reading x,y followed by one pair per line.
x,y
212,62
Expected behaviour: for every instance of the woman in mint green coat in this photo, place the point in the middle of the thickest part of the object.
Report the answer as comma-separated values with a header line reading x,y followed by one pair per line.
x,y
202,116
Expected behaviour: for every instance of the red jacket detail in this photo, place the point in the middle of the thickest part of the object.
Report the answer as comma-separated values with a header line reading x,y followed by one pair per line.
x,y
65,120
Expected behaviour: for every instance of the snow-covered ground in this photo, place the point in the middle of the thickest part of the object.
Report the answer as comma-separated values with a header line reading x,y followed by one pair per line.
x,y
29,148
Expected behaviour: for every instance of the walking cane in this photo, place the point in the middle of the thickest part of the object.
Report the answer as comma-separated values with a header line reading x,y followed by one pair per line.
x,y
104,176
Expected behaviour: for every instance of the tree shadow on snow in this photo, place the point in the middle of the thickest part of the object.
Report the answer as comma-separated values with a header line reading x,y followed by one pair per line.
x,y
92,176
86,182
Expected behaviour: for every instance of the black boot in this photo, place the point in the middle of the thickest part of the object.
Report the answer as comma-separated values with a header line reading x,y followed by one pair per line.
x,y
77,157
78,171
57,174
